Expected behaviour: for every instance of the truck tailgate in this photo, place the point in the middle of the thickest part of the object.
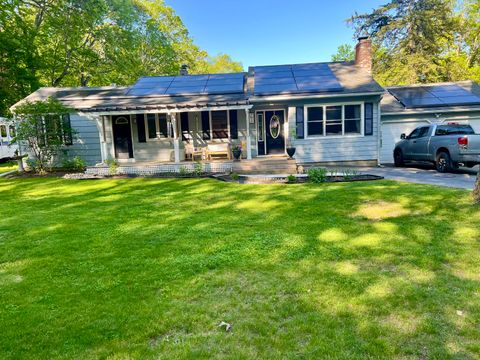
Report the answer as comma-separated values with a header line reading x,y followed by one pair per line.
x,y
473,146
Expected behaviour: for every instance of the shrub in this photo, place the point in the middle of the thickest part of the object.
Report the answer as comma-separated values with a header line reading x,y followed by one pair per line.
x,y
112,166
234,176
76,164
291,179
183,171
348,174
198,168
317,175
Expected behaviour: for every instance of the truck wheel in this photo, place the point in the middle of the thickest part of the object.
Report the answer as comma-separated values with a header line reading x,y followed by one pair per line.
x,y
444,162
398,158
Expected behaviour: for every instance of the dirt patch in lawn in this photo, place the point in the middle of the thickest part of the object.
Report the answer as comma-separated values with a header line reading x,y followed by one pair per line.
x,y
379,210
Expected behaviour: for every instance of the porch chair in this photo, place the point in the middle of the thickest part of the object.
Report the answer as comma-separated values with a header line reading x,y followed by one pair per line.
x,y
192,152
215,150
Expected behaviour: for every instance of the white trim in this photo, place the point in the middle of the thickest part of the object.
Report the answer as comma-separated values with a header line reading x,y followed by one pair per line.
x,y
436,111
249,139
165,111
324,122
303,96
131,136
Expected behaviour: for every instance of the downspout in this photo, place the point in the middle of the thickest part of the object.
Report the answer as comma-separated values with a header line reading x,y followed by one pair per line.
x,y
379,130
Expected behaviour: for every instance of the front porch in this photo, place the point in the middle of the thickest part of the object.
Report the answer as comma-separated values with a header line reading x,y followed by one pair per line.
x,y
265,165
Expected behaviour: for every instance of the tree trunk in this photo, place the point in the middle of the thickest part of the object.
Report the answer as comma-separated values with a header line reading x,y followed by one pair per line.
x,y
476,191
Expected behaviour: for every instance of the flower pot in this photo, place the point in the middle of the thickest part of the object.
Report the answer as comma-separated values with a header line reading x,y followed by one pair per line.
x,y
291,151
237,153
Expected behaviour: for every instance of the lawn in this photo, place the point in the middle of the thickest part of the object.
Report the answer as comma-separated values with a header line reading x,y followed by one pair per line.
x,y
8,166
148,268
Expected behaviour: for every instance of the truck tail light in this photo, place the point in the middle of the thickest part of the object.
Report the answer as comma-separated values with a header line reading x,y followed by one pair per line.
x,y
463,141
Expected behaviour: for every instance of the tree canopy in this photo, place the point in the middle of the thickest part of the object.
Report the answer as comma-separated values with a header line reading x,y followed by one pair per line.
x,y
418,41
93,43
345,52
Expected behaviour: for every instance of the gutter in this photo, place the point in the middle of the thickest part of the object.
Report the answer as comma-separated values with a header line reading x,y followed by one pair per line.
x,y
323,96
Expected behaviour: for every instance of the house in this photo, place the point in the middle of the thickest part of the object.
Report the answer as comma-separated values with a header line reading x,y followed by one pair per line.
x,y
403,108
7,133
328,111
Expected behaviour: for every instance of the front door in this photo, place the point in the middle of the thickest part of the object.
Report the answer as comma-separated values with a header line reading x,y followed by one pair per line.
x,y
275,132
122,137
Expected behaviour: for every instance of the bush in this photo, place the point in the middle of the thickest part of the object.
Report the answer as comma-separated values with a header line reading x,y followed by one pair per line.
x,y
198,169
183,171
234,176
112,166
317,175
76,164
291,179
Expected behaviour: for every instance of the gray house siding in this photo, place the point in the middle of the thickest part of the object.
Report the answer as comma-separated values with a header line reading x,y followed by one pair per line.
x,y
332,149
86,144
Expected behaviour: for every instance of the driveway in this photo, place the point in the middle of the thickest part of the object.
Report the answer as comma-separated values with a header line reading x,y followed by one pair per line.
x,y
425,174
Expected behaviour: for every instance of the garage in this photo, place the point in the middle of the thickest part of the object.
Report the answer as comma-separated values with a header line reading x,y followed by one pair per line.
x,y
406,107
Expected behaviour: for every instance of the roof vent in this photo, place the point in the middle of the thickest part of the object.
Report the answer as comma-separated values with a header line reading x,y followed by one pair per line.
x,y
184,70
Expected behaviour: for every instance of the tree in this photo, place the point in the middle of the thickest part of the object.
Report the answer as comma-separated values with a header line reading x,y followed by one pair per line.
x,y
345,52
476,190
44,127
411,38
92,43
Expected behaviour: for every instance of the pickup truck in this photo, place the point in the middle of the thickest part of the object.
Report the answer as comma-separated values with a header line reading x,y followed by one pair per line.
x,y
447,146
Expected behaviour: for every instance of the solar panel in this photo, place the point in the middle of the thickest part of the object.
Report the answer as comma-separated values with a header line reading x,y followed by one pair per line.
x,y
189,85
299,78
434,95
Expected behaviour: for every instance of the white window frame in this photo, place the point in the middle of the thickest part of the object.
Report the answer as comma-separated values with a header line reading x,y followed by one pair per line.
x,y
159,137
324,107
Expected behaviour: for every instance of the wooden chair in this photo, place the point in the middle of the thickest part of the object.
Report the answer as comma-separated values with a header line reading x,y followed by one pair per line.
x,y
215,150
192,152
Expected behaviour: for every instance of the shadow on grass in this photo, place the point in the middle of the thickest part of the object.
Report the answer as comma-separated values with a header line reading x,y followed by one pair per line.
x,y
147,266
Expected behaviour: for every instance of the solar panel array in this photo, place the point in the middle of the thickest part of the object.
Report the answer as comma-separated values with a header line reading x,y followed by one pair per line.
x,y
299,78
433,96
189,85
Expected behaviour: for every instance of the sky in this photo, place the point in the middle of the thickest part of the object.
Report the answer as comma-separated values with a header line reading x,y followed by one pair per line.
x,y
271,32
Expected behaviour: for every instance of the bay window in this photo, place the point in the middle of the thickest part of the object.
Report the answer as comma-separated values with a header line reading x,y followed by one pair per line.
x,y
334,120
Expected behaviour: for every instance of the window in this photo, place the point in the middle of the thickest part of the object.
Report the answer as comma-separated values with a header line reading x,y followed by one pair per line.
x,y
353,119
158,127
3,131
333,125
12,131
54,129
454,130
219,124
419,132
260,127
334,120
315,121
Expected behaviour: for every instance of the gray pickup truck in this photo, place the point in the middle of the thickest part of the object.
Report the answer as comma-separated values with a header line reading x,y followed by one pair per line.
x,y
448,146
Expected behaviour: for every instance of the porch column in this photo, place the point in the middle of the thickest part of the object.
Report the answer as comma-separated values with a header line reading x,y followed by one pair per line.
x,y
176,141
249,140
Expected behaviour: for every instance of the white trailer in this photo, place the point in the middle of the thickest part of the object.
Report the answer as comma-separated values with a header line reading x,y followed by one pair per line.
x,y
7,133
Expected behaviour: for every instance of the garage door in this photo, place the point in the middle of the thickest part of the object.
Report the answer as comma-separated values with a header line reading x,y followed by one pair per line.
x,y
391,135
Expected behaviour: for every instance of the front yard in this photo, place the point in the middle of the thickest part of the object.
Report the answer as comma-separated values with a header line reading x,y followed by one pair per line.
x,y
148,268
8,166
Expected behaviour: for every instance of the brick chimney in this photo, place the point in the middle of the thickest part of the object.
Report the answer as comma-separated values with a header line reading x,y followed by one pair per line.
x,y
363,53
184,70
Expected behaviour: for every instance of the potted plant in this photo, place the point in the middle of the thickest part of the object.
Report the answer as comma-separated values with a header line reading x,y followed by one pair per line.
x,y
237,151
290,147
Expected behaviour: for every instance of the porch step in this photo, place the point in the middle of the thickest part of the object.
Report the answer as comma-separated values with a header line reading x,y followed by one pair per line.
x,y
280,165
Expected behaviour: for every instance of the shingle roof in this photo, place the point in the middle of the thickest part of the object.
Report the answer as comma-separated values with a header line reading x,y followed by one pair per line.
x,y
352,78
391,104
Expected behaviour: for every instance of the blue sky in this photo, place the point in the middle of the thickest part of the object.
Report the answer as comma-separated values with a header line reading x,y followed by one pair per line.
x,y
263,32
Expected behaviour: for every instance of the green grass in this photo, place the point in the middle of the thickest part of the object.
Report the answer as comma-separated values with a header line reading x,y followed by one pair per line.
x,y
8,166
148,268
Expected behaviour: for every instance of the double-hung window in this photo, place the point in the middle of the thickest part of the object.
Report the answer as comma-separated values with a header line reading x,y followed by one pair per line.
x,y
219,124
334,120
158,127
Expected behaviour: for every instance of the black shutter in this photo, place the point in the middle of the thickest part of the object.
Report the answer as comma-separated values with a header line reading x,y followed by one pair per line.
x,y
142,137
206,125
67,130
300,124
234,124
185,127
368,119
